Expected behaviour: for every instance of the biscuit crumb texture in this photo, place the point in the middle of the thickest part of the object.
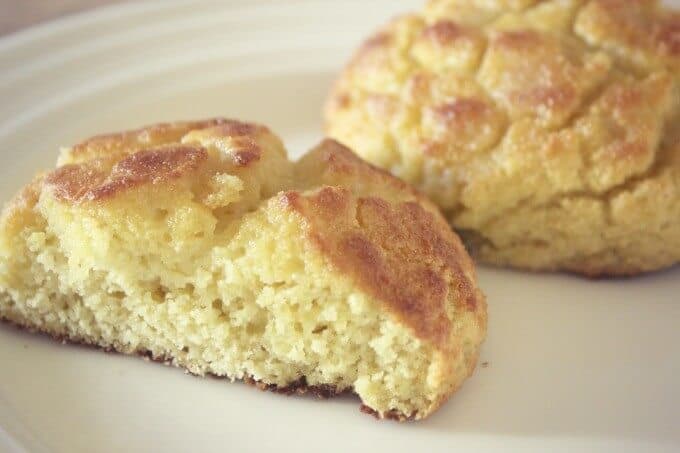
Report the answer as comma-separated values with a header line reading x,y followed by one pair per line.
x,y
202,245
548,132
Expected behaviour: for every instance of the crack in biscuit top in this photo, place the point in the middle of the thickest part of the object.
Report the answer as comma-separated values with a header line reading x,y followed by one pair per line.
x,y
445,32
106,165
640,32
91,181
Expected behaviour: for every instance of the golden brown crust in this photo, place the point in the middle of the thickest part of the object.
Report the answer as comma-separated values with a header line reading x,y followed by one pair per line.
x,y
155,135
105,166
249,153
400,254
387,237
446,32
548,80
91,182
332,163
639,32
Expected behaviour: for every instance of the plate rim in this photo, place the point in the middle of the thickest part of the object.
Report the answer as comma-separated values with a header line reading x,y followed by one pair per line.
x,y
22,439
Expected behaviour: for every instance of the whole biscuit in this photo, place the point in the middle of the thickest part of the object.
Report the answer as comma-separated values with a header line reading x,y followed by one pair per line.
x,y
548,132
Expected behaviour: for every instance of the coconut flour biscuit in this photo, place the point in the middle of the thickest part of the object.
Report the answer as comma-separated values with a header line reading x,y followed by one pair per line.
x,y
548,132
202,245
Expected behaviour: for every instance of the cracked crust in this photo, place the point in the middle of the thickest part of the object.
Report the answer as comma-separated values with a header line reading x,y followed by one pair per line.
x,y
106,166
540,128
79,182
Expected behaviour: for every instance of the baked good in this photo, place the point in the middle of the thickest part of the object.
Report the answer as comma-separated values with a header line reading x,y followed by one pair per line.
x,y
202,245
548,132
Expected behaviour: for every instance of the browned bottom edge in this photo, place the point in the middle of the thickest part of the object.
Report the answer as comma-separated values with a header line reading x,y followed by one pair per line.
x,y
298,387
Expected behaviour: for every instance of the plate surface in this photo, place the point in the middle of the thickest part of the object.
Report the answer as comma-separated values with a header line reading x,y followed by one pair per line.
x,y
570,364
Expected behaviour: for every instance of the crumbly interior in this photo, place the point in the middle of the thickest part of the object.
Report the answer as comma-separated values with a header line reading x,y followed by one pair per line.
x,y
546,130
258,306
211,271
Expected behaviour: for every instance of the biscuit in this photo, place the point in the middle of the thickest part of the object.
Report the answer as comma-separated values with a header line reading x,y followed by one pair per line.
x,y
202,245
548,132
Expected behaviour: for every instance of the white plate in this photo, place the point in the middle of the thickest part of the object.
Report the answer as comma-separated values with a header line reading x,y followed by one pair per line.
x,y
573,364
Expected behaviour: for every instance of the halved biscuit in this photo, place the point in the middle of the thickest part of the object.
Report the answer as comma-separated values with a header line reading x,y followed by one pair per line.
x,y
202,245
